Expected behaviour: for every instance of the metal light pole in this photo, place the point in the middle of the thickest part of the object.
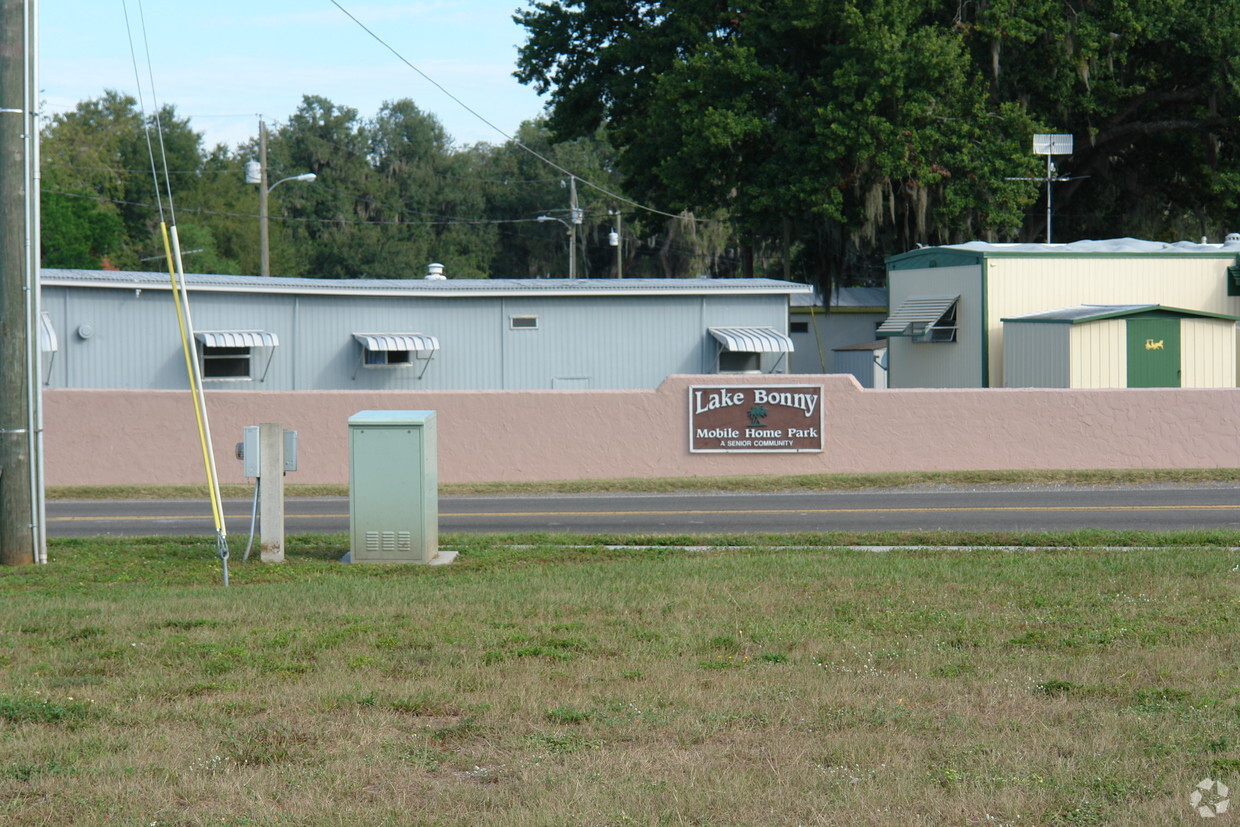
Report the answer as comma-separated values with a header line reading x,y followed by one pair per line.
x,y
1049,145
572,243
256,173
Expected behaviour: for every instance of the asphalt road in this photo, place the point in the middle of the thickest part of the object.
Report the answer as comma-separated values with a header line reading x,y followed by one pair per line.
x,y
985,508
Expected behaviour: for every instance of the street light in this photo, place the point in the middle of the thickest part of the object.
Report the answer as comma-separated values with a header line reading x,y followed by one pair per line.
x,y
572,242
256,173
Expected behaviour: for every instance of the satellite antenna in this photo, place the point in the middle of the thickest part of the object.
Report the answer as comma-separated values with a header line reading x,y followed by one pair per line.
x,y
1049,145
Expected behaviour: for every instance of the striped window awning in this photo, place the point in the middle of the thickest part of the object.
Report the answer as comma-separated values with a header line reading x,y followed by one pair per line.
x,y
752,339
237,338
915,314
47,334
419,342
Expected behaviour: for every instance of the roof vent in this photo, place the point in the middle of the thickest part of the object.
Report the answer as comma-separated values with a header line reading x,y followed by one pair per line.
x,y
434,272
1233,238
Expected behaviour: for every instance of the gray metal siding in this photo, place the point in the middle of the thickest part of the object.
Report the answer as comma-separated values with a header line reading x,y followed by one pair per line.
x,y
743,311
617,342
834,330
327,355
599,342
1036,355
862,364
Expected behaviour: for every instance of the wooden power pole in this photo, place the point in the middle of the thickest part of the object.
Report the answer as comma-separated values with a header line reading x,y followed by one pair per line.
x,y
17,537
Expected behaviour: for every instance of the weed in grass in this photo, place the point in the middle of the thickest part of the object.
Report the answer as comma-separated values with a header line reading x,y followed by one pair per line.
x,y
214,765
1225,766
465,729
185,624
25,772
953,670
563,743
566,715
265,745
725,662
428,703
1118,790
1054,688
1085,814
416,753
1159,700
22,710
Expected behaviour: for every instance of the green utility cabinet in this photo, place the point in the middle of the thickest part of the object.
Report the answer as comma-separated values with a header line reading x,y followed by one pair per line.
x,y
393,487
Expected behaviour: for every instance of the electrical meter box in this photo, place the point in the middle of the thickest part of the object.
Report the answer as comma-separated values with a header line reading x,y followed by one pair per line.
x,y
393,487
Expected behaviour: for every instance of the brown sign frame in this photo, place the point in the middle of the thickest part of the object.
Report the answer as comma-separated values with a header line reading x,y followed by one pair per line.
x,y
782,419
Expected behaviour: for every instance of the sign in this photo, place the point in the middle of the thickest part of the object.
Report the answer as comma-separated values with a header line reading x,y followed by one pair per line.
x,y
749,419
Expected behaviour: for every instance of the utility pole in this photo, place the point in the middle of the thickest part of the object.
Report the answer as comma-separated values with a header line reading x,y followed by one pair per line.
x,y
616,238
17,524
574,218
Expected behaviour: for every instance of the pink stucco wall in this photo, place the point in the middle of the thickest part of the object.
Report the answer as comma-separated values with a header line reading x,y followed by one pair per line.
x,y
98,437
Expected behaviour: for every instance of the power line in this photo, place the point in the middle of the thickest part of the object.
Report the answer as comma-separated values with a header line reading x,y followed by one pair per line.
x,y
516,141
679,248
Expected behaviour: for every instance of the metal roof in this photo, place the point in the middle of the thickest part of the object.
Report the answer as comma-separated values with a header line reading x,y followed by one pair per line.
x,y
846,298
138,280
237,338
1088,247
916,310
752,339
1108,245
397,341
1079,313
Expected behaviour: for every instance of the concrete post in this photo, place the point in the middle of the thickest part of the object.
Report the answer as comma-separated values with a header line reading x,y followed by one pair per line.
x,y
271,491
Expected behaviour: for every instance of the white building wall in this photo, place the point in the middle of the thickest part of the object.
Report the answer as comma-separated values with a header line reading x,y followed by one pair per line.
x,y
939,365
1099,354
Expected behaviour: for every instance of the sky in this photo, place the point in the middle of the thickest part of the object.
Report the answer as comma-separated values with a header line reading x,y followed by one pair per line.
x,y
223,63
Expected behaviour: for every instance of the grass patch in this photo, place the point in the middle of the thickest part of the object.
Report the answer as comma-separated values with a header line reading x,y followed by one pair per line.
x,y
597,680
804,482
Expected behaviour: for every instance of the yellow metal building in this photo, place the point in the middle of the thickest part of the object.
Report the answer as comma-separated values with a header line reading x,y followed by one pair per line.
x,y
947,303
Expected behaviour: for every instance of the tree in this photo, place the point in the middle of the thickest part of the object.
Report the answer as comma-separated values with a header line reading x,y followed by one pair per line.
x,y
1149,90
845,131
99,195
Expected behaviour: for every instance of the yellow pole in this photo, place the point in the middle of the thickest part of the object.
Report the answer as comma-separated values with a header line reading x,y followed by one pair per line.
x,y
194,383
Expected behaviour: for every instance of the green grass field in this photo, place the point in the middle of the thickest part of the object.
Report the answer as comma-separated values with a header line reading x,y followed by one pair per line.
x,y
564,681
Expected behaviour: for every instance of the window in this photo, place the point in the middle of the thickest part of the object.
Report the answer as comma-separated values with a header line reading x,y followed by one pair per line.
x,y
944,330
380,358
923,319
798,327
395,350
227,354
225,362
523,322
